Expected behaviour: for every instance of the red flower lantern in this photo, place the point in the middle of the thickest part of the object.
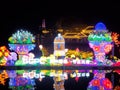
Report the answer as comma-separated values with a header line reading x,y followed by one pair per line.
x,y
108,48
96,82
106,83
96,48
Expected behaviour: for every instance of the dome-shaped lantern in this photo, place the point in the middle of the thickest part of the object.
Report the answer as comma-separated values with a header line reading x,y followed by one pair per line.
x,y
100,26
59,45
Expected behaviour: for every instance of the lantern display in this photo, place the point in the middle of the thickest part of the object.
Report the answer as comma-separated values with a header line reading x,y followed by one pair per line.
x,y
3,77
22,42
100,84
4,53
11,59
59,46
21,83
101,43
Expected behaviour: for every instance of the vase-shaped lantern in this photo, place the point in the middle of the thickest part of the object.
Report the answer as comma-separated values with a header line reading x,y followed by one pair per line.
x,y
101,43
22,42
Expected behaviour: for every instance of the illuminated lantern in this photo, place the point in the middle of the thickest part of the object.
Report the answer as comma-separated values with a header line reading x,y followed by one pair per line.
x,y
107,84
59,46
101,43
3,77
13,55
3,48
6,54
20,83
1,54
12,73
11,58
108,48
100,26
22,37
100,84
115,38
97,48
10,63
22,42
21,49
96,82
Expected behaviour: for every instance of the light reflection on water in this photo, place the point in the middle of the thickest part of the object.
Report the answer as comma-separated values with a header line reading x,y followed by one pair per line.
x,y
21,79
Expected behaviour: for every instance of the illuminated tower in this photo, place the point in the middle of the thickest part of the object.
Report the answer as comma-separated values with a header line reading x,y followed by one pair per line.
x,y
59,46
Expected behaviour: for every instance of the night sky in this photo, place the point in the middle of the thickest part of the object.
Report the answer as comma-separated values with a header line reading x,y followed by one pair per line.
x,y
28,14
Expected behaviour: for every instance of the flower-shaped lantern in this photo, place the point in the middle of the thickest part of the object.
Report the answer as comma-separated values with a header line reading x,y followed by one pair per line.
x,y
22,42
101,43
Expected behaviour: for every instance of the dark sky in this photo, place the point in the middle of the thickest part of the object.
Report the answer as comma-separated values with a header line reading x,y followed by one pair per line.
x,y
28,14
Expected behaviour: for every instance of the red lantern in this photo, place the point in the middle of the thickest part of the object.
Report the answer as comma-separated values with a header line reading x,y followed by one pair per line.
x,y
96,82
96,48
107,84
108,48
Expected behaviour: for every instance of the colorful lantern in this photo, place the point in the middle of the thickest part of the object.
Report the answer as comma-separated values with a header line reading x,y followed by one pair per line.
x,y
4,53
101,43
3,77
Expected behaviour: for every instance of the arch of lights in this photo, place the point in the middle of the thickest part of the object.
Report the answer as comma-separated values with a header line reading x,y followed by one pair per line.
x,y
23,41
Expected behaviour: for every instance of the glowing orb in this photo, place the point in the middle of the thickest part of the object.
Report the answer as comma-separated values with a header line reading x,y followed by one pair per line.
x,y
100,26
